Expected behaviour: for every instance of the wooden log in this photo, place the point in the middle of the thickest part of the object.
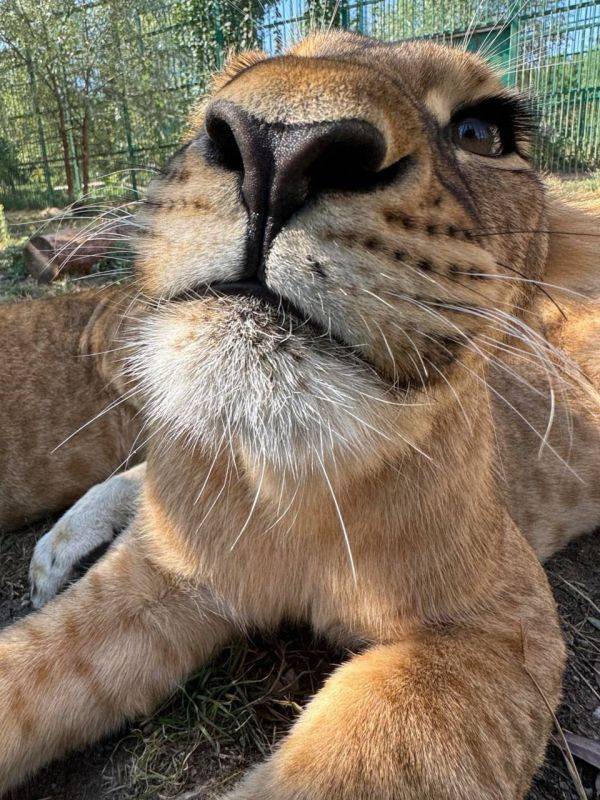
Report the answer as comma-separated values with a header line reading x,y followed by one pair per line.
x,y
68,252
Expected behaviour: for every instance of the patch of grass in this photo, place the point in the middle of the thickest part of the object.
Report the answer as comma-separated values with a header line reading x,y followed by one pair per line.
x,y
3,228
14,277
12,263
575,188
226,716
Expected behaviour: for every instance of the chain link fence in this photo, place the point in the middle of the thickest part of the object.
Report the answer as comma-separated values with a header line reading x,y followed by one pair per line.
x,y
94,94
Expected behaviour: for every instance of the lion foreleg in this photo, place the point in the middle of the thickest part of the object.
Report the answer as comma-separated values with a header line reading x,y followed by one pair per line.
x,y
105,651
441,716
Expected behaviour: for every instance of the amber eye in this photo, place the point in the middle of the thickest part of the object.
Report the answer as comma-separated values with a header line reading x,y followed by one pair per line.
x,y
477,136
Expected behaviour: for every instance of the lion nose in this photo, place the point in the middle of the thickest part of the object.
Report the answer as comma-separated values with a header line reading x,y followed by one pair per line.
x,y
282,166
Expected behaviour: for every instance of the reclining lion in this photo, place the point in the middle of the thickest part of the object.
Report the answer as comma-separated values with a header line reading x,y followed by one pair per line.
x,y
360,354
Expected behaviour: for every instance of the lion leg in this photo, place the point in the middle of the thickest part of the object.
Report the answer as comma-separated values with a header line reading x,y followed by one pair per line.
x,y
105,651
82,532
436,717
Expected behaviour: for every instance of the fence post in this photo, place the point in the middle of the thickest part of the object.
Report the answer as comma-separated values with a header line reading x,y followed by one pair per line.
x,y
71,139
219,38
344,15
513,51
360,16
130,147
40,128
123,94
3,229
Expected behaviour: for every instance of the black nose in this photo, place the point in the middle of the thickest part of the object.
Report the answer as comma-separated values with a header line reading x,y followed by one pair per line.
x,y
284,165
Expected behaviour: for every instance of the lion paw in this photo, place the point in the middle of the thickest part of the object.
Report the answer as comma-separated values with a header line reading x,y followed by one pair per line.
x,y
82,534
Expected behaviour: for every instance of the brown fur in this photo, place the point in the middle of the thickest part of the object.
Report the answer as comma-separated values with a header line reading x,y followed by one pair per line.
x,y
42,407
248,518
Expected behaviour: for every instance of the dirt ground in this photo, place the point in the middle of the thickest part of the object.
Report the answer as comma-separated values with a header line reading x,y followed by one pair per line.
x,y
230,713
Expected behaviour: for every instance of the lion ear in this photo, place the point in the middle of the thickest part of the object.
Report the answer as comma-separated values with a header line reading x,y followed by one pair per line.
x,y
574,249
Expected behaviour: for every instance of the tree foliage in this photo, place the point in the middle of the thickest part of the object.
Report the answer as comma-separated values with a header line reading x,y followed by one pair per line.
x,y
89,86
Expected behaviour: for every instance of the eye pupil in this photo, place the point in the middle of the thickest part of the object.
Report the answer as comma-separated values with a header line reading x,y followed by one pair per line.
x,y
474,129
478,136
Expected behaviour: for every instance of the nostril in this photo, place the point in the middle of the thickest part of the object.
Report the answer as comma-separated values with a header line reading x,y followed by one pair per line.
x,y
283,165
223,144
348,163
343,169
345,155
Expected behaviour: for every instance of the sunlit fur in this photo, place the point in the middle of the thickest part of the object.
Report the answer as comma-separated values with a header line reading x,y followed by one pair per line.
x,y
369,479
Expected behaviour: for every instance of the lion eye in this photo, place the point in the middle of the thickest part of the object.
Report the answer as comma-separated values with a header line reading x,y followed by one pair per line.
x,y
478,136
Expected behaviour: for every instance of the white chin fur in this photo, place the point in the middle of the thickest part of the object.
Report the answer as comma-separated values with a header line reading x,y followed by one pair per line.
x,y
225,372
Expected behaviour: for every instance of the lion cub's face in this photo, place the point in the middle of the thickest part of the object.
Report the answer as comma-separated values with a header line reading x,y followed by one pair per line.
x,y
344,225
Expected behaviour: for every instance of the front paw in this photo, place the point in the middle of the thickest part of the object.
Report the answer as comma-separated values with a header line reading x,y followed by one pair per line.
x,y
80,536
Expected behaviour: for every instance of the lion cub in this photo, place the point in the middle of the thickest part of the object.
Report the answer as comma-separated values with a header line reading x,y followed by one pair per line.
x,y
355,391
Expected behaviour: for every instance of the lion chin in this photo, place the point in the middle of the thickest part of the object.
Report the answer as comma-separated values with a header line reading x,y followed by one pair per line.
x,y
232,372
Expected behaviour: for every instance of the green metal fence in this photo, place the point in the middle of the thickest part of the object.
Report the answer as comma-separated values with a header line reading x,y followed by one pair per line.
x,y
94,97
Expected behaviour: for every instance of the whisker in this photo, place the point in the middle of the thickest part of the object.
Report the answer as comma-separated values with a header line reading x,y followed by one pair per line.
x,y
340,517
110,407
251,512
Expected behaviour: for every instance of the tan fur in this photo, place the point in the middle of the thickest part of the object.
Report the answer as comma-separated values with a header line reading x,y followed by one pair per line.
x,y
291,478
43,406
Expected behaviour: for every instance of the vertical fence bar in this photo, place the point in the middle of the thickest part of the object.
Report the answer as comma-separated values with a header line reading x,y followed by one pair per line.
x,y
40,129
123,102
71,139
130,145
